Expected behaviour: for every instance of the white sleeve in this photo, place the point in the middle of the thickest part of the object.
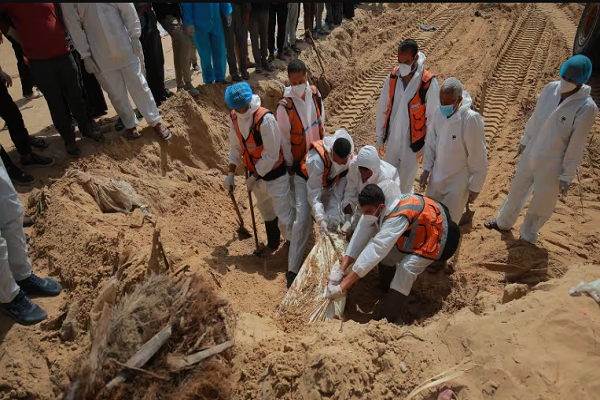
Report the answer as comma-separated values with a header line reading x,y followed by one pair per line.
x,y
284,127
429,154
581,127
384,101
351,192
271,137
380,245
314,185
235,150
74,25
322,112
477,152
362,234
532,123
432,103
130,18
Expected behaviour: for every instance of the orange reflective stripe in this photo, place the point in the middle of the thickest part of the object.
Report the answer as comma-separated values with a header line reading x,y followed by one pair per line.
x,y
326,162
252,146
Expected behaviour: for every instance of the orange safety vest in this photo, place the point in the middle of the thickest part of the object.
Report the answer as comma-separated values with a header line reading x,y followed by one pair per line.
x,y
326,160
252,147
416,110
427,232
297,130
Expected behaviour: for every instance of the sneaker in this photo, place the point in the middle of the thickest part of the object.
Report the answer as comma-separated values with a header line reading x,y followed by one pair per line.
x,y
290,276
36,94
23,310
73,150
191,90
236,78
94,135
19,176
271,57
245,75
168,93
37,142
27,221
268,68
35,160
258,70
163,132
42,286
119,126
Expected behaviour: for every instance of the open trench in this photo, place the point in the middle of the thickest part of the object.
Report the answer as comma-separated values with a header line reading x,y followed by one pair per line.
x,y
515,51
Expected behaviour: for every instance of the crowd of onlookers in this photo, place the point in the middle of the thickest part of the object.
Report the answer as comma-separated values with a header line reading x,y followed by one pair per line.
x,y
71,53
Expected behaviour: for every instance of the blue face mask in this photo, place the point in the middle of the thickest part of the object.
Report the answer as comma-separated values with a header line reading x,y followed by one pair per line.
x,y
447,110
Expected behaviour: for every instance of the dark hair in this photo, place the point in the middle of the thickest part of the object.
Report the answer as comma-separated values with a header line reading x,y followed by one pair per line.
x,y
342,147
296,66
409,44
371,195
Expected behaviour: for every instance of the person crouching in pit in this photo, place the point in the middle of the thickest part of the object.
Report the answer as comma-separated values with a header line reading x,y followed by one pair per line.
x,y
254,137
403,234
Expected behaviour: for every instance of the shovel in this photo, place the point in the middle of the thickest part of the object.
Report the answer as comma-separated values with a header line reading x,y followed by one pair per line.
x,y
242,231
467,216
322,82
259,248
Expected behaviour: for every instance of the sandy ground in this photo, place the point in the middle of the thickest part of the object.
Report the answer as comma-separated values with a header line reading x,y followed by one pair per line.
x,y
542,346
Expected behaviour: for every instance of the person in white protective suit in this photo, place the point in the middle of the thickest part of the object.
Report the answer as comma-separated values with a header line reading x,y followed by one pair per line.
x,y
254,137
320,183
107,36
403,234
409,99
368,168
455,153
551,149
16,277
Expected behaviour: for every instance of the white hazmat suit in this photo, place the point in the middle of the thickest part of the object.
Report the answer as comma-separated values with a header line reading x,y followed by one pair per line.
x,y
367,157
398,151
456,156
325,203
555,138
375,243
14,259
103,31
272,197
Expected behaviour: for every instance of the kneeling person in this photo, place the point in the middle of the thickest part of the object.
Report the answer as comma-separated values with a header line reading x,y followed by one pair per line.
x,y
255,137
320,184
401,233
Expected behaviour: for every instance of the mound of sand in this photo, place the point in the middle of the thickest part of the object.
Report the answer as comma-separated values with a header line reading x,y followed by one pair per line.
x,y
522,349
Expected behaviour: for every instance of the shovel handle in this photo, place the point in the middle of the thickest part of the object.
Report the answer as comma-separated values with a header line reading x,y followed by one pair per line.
x,y
237,209
252,214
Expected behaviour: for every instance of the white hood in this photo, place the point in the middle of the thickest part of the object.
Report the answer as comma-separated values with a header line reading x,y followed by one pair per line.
x,y
392,195
368,157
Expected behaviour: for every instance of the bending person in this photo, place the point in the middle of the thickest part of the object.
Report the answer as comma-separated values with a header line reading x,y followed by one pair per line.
x,y
552,147
401,233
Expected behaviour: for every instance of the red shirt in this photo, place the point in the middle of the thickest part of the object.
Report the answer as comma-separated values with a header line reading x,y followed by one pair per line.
x,y
42,34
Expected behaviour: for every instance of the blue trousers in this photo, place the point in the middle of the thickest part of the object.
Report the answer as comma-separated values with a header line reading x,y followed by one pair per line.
x,y
213,55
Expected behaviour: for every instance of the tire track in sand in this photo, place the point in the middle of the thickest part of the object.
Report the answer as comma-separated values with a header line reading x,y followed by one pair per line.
x,y
508,76
370,82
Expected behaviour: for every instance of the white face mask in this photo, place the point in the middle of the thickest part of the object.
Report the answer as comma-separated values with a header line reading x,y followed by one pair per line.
x,y
566,87
405,69
370,220
338,167
299,90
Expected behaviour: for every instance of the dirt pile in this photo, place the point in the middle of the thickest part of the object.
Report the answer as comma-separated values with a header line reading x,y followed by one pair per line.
x,y
520,349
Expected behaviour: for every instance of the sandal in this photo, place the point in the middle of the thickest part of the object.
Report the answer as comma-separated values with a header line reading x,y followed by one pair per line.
x,y
163,132
37,142
132,134
493,224
36,94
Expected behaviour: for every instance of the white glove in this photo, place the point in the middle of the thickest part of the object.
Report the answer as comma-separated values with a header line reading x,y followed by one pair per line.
x,y
334,291
250,182
137,46
90,65
190,30
323,227
347,223
230,182
228,19
336,276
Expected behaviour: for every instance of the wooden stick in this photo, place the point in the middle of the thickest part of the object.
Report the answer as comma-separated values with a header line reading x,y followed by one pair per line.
x,y
201,355
317,51
145,353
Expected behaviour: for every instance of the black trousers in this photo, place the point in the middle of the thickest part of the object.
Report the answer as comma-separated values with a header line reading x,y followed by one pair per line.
x,y
10,113
348,10
24,71
236,33
277,13
154,58
5,158
58,79
94,96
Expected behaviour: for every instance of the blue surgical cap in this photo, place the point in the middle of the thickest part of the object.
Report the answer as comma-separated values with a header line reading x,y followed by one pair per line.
x,y
577,68
238,96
